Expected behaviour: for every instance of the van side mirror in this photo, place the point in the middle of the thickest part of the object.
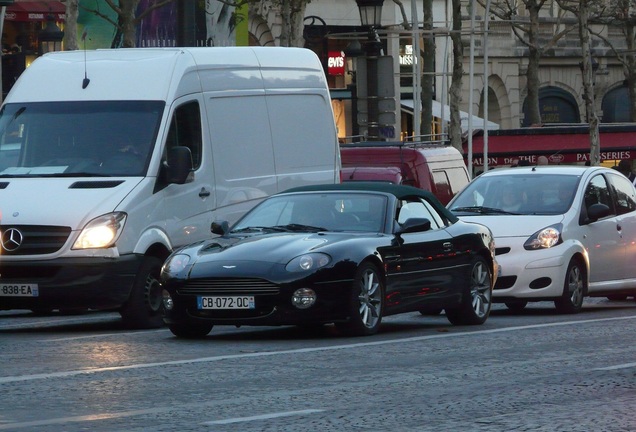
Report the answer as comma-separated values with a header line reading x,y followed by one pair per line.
x,y
415,225
179,165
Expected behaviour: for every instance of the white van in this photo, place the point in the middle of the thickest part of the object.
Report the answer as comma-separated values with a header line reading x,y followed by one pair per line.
x,y
110,159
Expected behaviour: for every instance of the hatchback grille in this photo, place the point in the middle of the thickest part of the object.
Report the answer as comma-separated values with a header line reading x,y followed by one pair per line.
x,y
36,239
228,286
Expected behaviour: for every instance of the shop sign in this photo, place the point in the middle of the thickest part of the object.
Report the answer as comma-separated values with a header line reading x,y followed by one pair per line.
x,y
336,63
554,159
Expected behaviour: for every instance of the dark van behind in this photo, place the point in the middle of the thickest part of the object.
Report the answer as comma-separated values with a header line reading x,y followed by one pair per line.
x,y
434,167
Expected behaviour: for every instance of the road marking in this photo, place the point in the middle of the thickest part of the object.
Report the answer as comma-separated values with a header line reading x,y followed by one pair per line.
x,y
616,367
23,378
261,417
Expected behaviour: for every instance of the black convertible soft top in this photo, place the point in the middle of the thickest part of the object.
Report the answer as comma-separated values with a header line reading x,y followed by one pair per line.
x,y
399,191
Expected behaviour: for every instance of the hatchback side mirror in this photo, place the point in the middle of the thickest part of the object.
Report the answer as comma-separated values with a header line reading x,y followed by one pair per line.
x,y
597,211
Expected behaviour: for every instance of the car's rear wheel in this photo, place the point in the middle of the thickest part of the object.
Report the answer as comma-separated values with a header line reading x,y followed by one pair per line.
x,y
477,299
571,301
190,331
366,303
516,306
144,308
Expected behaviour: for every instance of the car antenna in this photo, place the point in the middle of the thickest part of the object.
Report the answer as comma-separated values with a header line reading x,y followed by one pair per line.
x,y
86,81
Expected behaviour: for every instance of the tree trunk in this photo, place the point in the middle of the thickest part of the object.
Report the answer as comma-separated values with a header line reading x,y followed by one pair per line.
x,y
70,25
455,97
532,77
428,72
588,86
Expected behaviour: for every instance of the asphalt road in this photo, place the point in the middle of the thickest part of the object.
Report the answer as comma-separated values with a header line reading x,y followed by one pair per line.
x,y
530,371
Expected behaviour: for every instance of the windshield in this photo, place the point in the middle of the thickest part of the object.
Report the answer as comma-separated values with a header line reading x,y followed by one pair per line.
x,y
317,212
535,194
102,138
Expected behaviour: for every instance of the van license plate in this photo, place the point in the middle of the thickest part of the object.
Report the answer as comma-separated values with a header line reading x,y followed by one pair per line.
x,y
19,290
226,302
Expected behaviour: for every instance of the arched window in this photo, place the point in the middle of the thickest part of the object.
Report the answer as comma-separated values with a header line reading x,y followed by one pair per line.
x,y
556,106
616,106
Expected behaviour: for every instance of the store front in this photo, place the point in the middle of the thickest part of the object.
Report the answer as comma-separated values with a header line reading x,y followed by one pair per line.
x,y
23,21
560,144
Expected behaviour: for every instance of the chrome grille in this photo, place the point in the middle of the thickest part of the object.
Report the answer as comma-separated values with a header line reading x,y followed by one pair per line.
x,y
38,239
229,286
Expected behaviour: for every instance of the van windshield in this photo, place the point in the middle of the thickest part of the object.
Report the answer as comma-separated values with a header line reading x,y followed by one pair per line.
x,y
96,138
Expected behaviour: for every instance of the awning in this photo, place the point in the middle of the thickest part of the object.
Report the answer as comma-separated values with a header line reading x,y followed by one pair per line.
x,y
35,11
439,112
561,144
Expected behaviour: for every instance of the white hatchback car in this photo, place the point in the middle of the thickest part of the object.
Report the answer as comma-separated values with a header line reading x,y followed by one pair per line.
x,y
561,232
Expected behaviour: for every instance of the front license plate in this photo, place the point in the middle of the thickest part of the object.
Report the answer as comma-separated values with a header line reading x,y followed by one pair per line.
x,y
19,290
233,302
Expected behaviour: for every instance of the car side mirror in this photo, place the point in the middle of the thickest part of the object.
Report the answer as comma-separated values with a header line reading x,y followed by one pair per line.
x,y
597,211
415,225
221,228
179,165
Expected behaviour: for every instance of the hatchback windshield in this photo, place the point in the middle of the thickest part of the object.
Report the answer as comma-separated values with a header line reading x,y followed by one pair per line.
x,y
102,138
540,194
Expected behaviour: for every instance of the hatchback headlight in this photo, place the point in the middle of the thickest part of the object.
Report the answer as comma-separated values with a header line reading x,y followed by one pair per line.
x,y
545,238
101,232
306,262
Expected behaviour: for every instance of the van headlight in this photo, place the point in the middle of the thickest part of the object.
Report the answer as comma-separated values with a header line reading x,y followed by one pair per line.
x,y
101,232
545,238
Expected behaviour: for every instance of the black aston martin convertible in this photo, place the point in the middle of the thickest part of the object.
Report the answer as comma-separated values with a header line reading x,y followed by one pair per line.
x,y
345,254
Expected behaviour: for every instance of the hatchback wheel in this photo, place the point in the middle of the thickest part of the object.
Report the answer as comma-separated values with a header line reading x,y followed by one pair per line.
x,y
366,303
571,301
477,300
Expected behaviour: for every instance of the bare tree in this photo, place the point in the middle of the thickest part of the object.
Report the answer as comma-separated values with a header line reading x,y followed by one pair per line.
x,y
622,14
455,97
526,29
127,18
584,9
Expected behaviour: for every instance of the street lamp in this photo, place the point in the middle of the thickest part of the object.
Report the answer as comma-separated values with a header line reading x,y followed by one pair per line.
x,y
50,38
371,17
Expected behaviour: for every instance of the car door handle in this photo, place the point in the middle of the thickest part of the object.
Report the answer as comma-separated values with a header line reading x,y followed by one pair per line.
x,y
447,246
204,193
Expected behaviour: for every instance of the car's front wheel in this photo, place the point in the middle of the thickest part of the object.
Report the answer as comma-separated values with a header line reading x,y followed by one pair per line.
x,y
571,301
366,303
190,331
477,299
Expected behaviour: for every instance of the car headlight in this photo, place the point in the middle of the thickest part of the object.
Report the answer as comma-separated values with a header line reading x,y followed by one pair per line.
x,y
174,265
101,232
545,238
306,262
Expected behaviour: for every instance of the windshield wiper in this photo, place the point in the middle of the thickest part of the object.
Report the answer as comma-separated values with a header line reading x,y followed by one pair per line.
x,y
301,227
259,229
482,210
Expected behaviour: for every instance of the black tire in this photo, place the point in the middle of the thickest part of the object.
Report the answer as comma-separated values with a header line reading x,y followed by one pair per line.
x,y
574,289
144,308
366,303
476,302
617,297
190,331
516,306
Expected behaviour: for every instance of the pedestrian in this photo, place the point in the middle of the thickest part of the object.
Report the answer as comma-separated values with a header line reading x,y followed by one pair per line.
x,y
625,167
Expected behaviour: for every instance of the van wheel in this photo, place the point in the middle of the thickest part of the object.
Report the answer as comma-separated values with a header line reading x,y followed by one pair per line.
x,y
144,308
571,301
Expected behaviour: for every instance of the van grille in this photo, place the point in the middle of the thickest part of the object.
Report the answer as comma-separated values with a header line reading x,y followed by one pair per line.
x,y
228,286
32,239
